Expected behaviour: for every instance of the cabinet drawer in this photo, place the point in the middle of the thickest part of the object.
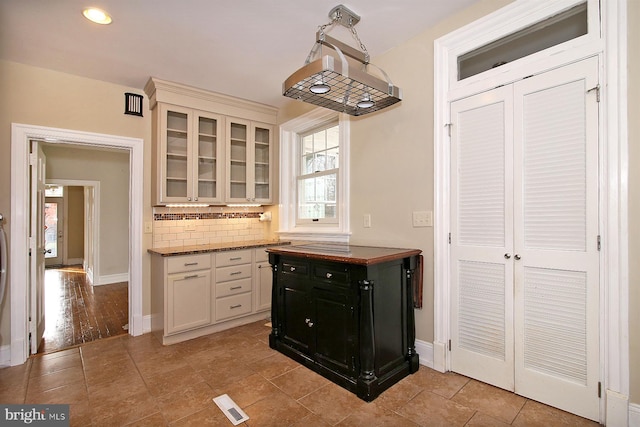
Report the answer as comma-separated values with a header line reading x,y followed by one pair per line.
x,y
332,273
233,273
233,258
294,267
233,287
178,264
232,306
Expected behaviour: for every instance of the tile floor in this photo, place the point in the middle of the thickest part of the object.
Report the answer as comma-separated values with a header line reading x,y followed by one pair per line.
x,y
138,382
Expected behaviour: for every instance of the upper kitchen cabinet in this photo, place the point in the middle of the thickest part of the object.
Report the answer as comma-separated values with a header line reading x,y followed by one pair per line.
x,y
249,153
209,148
189,161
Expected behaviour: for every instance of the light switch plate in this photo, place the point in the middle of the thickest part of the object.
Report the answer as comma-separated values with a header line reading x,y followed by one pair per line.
x,y
423,219
148,227
367,221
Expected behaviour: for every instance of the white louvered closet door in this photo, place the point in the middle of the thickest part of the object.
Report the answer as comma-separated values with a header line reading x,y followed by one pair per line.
x,y
556,232
524,230
482,233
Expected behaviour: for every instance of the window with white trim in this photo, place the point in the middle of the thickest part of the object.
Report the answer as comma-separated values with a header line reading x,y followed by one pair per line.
x,y
314,188
317,175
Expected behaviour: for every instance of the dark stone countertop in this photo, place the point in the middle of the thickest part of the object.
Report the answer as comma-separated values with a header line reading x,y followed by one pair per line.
x,y
215,247
351,254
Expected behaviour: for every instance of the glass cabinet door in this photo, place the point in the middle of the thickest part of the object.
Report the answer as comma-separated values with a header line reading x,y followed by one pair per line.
x,y
206,167
238,132
176,160
262,158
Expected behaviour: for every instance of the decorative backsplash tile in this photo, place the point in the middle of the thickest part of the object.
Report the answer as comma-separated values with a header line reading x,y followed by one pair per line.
x,y
171,229
204,215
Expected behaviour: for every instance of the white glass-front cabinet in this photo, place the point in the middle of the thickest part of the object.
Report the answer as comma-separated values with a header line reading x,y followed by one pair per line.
x,y
249,154
190,161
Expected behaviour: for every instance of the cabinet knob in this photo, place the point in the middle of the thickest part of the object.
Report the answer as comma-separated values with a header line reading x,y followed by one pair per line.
x,y
292,269
507,256
329,275
310,324
307,320
516,257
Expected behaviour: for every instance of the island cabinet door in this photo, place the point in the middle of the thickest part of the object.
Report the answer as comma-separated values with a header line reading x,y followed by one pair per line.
x,y
334,326
295,314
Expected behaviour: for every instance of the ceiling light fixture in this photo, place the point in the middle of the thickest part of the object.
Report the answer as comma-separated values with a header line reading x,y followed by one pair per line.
x,y
336,84
96,15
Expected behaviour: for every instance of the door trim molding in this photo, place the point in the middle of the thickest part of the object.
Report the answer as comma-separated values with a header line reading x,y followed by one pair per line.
x,y
614,283
21,134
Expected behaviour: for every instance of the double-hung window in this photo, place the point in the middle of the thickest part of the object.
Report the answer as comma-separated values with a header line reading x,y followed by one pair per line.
x,y
317,177
314,188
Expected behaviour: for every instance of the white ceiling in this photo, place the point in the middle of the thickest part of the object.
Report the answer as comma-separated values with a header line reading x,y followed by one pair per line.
x,y
243,48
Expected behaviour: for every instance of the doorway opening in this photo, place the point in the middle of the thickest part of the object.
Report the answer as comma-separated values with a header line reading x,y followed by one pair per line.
x,y
22,135
76,311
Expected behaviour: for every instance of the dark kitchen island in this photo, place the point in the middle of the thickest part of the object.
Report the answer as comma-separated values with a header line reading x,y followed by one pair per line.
x,y
346,312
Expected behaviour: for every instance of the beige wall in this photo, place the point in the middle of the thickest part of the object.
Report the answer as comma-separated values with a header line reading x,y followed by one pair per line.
x,y
75,222
111,169
37,96
634,196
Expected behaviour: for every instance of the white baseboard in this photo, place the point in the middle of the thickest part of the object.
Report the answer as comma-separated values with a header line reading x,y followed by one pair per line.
x,y
425,353
617,411
146,324
112,278
5,356
75,261
634,415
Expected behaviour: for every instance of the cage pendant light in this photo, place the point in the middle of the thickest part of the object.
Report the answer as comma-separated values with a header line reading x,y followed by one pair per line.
x,y
333,82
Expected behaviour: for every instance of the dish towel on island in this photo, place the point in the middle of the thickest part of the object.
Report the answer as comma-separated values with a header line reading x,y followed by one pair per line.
x,y
417,283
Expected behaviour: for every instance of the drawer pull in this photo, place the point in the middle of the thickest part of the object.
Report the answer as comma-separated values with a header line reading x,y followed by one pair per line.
x,y
193,276
329,275
187,264
292,269
235,258
235,306
235,287
234,273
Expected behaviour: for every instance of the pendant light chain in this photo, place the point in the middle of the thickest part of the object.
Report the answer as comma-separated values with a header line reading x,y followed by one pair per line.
x,y
363,48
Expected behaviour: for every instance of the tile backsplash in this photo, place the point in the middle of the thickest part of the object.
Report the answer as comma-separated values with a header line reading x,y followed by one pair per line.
x,y
173,228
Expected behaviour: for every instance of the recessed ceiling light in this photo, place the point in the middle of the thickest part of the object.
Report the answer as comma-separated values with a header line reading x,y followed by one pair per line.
x,y
97,15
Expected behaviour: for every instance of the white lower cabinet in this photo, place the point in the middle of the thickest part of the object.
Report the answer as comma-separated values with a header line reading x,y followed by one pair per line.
x,y
262,279
233,283
199,294
188,301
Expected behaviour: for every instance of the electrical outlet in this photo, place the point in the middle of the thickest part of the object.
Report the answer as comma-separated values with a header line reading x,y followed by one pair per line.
x,y
423,219
367,221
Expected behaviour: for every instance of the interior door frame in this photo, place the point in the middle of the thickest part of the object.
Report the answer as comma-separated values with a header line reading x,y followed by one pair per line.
x,y
21,134
611,46
95,185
